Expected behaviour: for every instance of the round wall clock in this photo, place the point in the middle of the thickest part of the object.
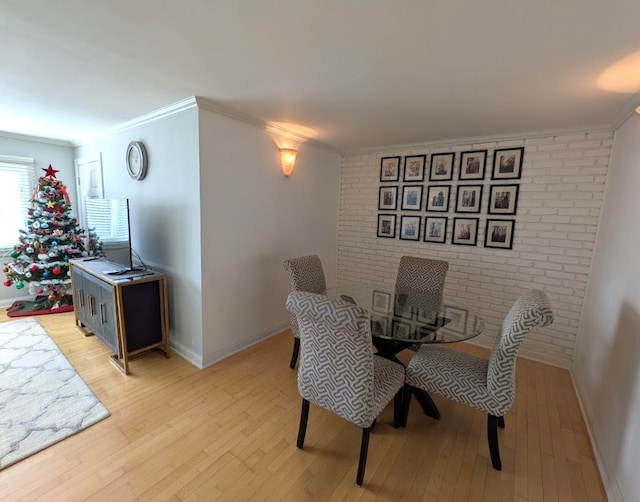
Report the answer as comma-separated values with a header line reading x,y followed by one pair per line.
x,y
136,160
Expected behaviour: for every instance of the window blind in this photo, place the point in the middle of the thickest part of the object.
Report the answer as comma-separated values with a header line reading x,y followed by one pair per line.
x,y
17,181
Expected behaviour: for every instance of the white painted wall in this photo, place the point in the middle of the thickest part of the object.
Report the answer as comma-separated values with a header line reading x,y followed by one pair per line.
x,y
606,367
164,212
253,217
561,191
60,156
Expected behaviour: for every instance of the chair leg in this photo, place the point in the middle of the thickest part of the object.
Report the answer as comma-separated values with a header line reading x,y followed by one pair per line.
x,y
492,435
501,422
428,406
406,402
304,418
296,349
364,448
398,409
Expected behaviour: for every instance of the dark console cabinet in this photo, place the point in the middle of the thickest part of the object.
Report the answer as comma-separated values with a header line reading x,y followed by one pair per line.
x,y
127,312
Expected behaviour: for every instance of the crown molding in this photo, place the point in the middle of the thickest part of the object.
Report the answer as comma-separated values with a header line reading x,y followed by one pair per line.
x,y
36,139
166,111
627,111
212,106
487,139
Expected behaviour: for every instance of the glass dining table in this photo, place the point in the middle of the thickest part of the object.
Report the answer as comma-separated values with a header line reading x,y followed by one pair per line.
x,y
402,319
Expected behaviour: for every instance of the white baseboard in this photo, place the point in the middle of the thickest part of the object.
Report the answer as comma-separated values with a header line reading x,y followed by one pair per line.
x,y
609,480
230,350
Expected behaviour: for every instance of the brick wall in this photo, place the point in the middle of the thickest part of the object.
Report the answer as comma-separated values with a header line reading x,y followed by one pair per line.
x,y
561,191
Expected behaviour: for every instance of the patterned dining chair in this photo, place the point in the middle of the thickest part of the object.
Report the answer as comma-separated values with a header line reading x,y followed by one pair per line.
x,y
306,274
420,283
338,370
485,384
421,274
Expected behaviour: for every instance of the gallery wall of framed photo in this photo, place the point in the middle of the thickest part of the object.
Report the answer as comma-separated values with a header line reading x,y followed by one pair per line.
x,y
417,193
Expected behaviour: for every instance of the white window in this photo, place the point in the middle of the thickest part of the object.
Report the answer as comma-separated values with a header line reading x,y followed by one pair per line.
x,y
17,179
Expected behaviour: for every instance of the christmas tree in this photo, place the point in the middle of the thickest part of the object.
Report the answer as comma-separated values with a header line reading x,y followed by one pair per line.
x,y
51,239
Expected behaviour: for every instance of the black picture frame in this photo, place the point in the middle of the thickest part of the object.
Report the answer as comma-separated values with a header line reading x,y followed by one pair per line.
x,y
435,229
458,318
441,167
414,167
389,169
410,228
381,302
469,198
387,226
412,197
465,231
499,234
438,198
503,199
507,163
388,198
472,165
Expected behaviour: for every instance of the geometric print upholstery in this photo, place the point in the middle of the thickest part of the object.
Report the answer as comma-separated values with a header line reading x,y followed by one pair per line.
x,y
338,370
484,384
421,282
530,310
306,274
421,274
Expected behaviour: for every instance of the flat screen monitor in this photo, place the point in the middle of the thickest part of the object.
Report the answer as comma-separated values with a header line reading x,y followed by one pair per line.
x,y
109,230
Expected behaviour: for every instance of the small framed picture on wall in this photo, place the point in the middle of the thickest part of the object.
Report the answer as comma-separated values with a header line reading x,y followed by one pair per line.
x,y
410,228
503,199
472,165
390,169
412,197
414,167
388,198
507,163
441,167
438,198
465,231
435,229
468,199
387,225
499,234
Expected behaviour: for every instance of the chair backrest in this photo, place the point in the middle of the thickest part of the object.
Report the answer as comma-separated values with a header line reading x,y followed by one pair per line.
x,y
532,309
336,358
421,274
306,274
420,282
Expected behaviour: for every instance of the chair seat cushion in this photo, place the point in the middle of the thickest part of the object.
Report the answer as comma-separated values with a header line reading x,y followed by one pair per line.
x,y
455,375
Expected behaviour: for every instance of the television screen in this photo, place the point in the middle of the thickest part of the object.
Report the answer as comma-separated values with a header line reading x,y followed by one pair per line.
x,y
108,230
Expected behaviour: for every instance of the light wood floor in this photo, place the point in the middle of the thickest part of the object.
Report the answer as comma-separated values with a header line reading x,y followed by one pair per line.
x,y
229,432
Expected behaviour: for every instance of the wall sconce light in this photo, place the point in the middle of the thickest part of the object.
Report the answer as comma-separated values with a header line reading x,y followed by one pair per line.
x,y
288,157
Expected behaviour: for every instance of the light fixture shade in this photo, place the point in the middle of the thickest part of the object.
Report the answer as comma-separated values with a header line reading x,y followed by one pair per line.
x,y
288,157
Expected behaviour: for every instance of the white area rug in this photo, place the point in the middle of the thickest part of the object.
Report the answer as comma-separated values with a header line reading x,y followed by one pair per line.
x,y
42,398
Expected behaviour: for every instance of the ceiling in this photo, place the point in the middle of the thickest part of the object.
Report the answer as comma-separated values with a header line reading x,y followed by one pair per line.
x,y
352,74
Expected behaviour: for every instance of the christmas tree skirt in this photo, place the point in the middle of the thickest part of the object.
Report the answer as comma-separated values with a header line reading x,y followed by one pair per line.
x,y
40,306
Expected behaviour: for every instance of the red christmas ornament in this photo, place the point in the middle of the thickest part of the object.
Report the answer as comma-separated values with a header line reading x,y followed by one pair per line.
x,y
58,214
50,172
62,191
56,271
7,283
55,223
40,291
33,268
